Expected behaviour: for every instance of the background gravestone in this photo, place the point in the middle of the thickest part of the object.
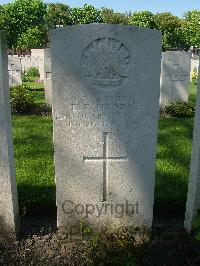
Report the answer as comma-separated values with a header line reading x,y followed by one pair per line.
x,y
193,198
175,76
106,86
25,62
8,192
37,60
47,74
14,70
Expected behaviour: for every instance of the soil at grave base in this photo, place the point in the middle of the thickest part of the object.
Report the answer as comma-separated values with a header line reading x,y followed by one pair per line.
x,y
50,249
169,246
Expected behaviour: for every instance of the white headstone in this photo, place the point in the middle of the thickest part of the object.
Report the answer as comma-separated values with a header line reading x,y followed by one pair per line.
x,y
193,198
8,192
26,63
105,109
175,76
37,60
47,73
14,70
14,63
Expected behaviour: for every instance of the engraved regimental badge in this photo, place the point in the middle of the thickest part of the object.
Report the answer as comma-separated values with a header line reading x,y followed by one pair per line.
x,y
105,63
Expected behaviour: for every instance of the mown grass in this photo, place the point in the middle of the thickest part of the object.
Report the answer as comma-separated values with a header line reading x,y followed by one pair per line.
x,y
173,157
35,85
39,97
34,158
193,92
37,88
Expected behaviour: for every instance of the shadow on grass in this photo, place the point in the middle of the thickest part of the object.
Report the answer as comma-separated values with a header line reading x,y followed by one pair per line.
x,y
173,161
37,200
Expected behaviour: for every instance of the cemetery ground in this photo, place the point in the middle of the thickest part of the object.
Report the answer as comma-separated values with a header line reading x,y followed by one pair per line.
x,y
168,244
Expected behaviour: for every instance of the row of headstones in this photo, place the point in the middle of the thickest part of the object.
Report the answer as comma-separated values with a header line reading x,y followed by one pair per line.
x,y
106,93
176,69
18,65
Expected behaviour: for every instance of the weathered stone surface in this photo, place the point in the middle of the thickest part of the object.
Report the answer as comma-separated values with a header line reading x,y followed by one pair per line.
x,y
193,198
106,87
14,63
14,70
47,73
175,76
37,60
8,194
25,62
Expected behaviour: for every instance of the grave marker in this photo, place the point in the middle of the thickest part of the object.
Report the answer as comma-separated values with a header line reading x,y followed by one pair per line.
x,y
14,70
193,197
47,73
8,193
175,76
37,60
106,87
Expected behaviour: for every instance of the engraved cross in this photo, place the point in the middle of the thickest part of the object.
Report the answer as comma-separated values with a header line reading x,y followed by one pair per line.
x,y
176,75
105,159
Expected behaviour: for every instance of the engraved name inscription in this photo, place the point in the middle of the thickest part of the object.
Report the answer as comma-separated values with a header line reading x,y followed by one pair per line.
x,y
114,112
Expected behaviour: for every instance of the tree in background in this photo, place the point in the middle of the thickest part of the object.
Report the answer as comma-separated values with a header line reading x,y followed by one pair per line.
x,y
143,19
58,15
109,16
191,28
2,16
32,38
20,16
171,28
86,14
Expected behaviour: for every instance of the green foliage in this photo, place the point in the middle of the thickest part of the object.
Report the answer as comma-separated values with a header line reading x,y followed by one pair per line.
x,y
196,227
33,72
22,100
85,228
191,28
20,16
166,22
2,17
119,247
58,15
171,28
143,19
32,38
179,109
109,16
85,15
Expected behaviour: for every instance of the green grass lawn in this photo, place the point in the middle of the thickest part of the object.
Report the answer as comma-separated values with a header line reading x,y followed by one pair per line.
x,y
35,85
193,92
34,158
39,97
37,88
173,159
